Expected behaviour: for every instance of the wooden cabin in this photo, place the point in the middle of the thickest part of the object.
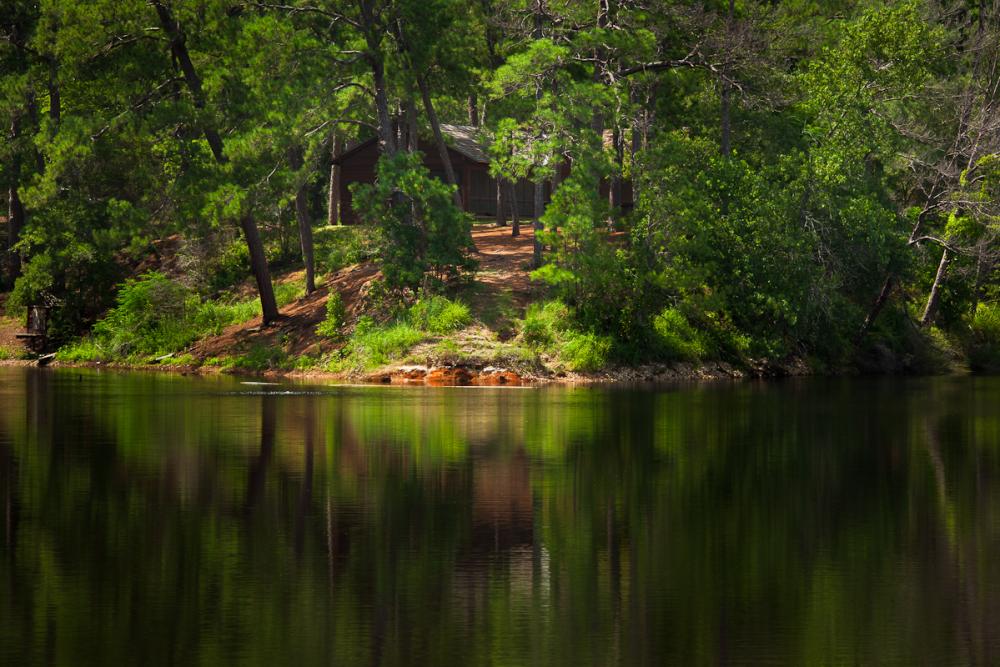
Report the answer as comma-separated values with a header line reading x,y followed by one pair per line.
x,y
471,163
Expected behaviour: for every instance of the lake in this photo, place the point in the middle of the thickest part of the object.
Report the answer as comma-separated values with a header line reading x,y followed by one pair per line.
x,y
153,519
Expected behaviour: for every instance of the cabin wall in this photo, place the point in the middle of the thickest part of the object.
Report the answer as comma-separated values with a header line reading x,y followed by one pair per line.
x,y
477,187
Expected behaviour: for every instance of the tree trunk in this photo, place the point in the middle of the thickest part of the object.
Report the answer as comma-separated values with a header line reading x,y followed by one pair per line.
x,y
539,208
615,186
258,264
258,261
373,40
412,134
500,220
178,47
449,171
15,223
873,313
934,298
536,223
333,196
295,159
515,212
473,110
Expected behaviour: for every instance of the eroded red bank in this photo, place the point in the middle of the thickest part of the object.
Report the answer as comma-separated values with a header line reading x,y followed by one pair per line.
x,y
450,376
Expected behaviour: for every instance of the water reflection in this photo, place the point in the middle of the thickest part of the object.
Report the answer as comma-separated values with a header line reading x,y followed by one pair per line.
x,y
154,519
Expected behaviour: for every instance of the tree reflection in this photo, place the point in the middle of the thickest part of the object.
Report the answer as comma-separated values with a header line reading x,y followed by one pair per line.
x,y
166,520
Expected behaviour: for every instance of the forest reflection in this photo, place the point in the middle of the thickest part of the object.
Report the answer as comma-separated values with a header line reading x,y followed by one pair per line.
x,y
153,519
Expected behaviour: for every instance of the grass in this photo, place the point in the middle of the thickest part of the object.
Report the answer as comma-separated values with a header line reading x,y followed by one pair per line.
x,y
155,316
547,329
259,358
373,344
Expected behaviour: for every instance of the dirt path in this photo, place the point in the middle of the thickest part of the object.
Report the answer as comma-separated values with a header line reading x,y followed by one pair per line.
x,y
502,290
505,261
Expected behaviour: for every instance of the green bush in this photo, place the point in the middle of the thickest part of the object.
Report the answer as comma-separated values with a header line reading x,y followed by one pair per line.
x,y
258,358
548,327
153,316
585,351
439,315
337,247
373,345
336,317
676,338
84,350
984,348
230,268
543,322
422,233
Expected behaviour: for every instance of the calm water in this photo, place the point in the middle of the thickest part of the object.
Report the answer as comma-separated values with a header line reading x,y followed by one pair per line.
x,y
162,520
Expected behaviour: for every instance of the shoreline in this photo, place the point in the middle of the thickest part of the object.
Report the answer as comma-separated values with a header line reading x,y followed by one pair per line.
x,y
462,375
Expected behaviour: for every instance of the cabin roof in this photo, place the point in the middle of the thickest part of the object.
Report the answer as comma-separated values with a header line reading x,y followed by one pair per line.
x,y
460,138
463,139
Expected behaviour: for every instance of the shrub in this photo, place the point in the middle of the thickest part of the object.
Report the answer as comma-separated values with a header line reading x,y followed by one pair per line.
x,y
230,267
83,350
585,351
422,233
153,315
337,247
984,348
543,322
260,357
439,315
336,317
676,338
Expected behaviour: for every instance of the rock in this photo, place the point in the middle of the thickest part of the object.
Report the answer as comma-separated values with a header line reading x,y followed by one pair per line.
x,y
449,376
498,378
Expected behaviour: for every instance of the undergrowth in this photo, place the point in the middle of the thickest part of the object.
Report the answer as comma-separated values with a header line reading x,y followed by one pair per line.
x,y
155,316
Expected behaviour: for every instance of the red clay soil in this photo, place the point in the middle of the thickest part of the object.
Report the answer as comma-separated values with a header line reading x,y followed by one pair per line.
x,y
504,263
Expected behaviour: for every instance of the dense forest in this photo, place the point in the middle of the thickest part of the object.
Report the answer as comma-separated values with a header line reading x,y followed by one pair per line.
x,y
810,180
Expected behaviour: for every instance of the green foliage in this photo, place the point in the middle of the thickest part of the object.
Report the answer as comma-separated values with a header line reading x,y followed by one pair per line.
x,y
585,351
439,315
544,322
984,352
587,268
230,267
548,327
336,317
772,243
259,358
372,345
154,316
339,247
423,234
677,338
